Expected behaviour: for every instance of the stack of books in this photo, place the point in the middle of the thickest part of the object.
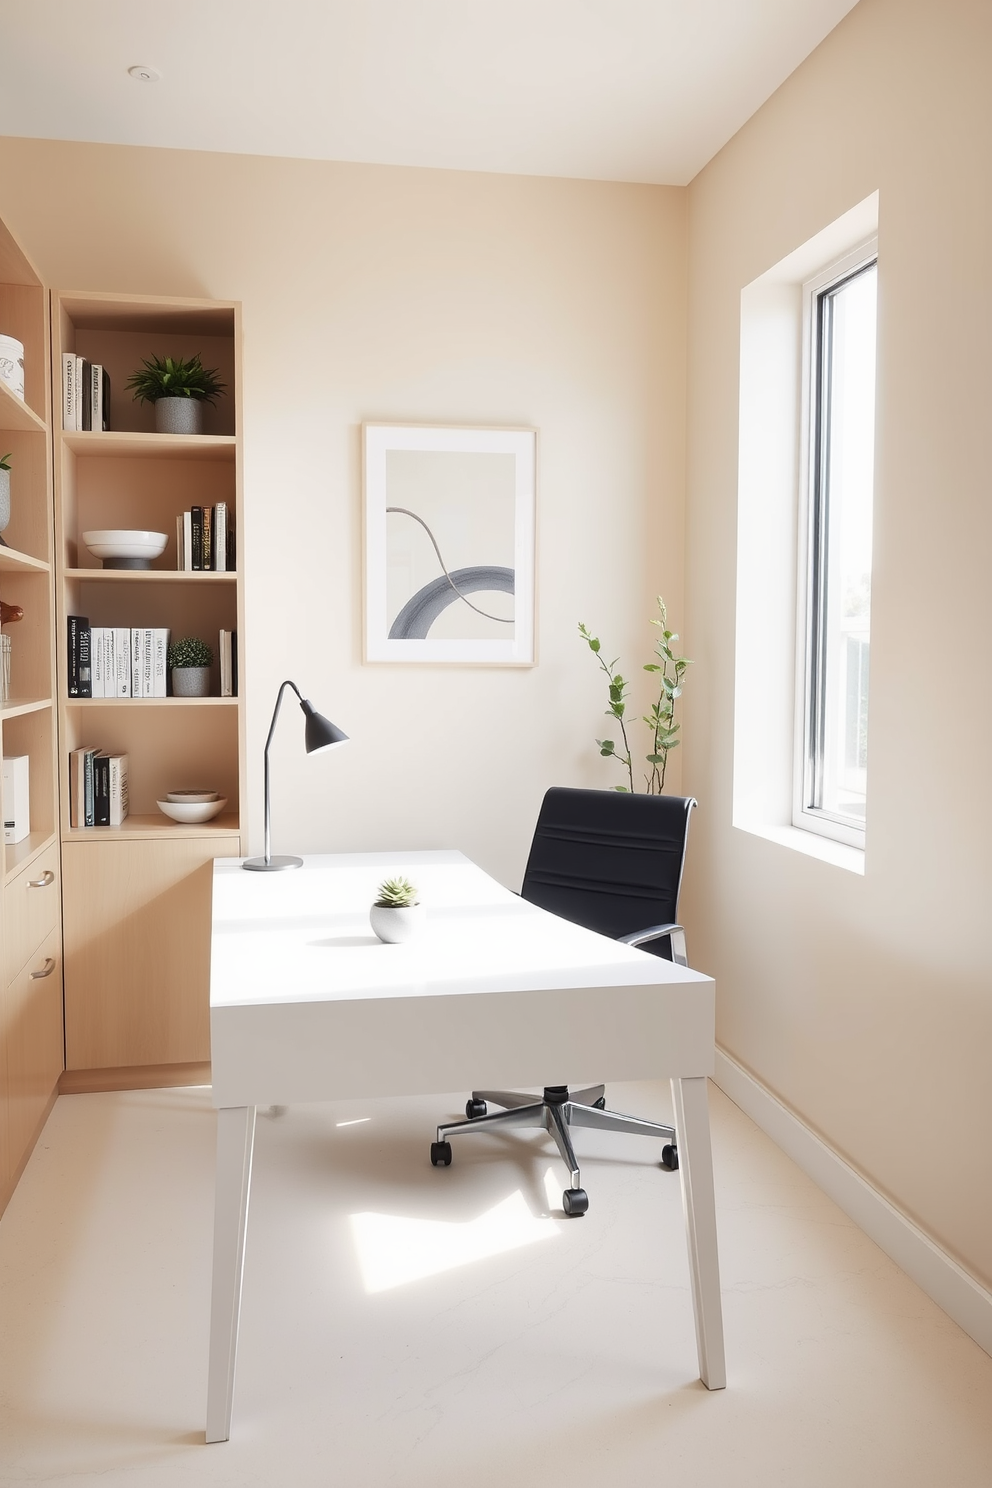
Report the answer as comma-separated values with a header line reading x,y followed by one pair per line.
x,y
85,394
106,661
205,540
98,788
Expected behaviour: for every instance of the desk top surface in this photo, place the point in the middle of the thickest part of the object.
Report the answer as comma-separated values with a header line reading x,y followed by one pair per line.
x,y
304,936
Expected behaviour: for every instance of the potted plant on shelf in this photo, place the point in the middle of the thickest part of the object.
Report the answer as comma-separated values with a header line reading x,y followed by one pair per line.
x,y
397,913
189,660
4,495
178,390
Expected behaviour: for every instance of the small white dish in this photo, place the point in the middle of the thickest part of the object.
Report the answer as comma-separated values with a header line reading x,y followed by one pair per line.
x,y
121,548
192,812
192,797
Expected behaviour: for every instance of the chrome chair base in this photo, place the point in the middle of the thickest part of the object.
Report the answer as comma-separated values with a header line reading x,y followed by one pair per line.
x,y
557,1111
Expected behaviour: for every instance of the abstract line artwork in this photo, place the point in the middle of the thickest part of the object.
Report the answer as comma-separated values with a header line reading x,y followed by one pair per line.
x,y
449,544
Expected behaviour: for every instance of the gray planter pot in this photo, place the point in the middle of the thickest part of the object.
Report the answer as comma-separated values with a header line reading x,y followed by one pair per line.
x,y
4,500
190,681
178,416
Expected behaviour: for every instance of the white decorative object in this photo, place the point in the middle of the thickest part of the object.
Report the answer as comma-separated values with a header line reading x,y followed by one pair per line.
x,y
192,797
191,813
4,668
122,548
396,925
178,415
12,365
16,797
449,544
191,681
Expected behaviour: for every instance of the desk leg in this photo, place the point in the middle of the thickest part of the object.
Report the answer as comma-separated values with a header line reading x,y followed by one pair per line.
x,y
692,1123
235,1140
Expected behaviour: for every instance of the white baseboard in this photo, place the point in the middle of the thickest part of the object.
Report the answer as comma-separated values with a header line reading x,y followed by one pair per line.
x,y
960,1295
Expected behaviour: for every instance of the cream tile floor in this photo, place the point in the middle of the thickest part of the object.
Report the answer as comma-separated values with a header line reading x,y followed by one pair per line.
x,y
539,1351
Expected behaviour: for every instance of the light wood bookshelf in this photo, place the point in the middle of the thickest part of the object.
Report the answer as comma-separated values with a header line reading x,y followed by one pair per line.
x,y
137,898
31,1033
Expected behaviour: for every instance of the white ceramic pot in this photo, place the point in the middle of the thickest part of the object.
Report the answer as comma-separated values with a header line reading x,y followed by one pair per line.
x,y
393,924
190,681
12,365
178,415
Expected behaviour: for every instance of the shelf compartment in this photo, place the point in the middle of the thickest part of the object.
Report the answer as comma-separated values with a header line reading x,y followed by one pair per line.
x,y
155,826
136,444
16,414
17,707
148,575
21,853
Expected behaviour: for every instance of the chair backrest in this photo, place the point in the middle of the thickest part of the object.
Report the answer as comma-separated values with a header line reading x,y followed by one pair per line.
x,y
608,860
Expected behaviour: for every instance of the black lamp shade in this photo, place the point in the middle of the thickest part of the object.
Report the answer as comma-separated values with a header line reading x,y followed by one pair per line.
x,y
320,732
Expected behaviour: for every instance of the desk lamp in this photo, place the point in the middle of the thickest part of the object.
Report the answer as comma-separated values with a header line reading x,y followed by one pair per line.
x,y
320,734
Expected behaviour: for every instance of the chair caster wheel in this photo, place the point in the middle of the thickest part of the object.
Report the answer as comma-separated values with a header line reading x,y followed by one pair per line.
x,y
575,1201
441,1154
600,1105
475,1108
670,1157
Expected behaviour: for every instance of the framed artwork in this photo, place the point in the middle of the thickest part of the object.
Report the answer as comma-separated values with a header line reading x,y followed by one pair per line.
x,y
449,544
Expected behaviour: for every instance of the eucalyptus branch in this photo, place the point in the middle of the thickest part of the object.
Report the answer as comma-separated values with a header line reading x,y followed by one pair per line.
x,y
660,718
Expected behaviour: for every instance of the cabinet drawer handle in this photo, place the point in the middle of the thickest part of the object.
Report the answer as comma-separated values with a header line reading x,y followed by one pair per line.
x,y
48,877
46,970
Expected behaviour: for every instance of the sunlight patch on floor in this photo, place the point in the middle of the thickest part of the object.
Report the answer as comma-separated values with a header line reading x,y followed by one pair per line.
x,y
393,1250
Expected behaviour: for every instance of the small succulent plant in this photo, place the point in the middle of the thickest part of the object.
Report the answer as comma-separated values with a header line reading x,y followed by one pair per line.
x,y
5,461
396,893
172,377
190,651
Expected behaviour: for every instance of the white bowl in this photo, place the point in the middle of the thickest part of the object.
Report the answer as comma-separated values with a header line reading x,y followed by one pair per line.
x,y
190,812
117,543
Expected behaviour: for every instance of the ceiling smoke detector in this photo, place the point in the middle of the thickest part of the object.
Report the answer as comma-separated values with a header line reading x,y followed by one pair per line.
x,y
144,74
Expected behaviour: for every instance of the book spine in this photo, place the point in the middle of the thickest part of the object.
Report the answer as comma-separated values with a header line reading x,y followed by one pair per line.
x,y
220,537
105,401
99,660
208,538
196,516
234,663
96,396
101,791
119,802
79,393
180,556
85,662
147,662
86,390
72,655
122,661
137,637
188,542
77,761
160,654
68,390
89,817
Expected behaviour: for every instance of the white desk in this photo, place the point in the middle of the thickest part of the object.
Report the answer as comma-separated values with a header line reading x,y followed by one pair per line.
x,y
306,1005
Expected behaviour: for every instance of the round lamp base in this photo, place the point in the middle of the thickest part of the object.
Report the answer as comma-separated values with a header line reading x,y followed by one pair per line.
x,y
271,865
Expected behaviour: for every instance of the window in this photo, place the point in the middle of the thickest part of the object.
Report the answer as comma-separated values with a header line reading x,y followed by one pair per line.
x,y
835,567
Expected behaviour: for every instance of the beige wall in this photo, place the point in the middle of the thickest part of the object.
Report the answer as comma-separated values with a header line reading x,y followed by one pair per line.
x,y
866,1002
380,293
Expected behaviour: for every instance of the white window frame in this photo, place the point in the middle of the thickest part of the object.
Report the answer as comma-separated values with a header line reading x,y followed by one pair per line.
x,y
815,819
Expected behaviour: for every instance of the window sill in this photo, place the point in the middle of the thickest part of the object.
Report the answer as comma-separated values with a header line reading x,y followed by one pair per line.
x,y
811,843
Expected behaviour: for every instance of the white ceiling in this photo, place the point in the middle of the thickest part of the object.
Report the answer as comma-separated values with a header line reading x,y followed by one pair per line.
x,y
629,90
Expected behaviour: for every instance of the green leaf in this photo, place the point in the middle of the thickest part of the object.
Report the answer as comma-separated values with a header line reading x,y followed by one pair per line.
x,y
652,666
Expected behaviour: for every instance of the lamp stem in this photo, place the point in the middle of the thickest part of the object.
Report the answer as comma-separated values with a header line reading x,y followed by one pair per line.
x,y
267,860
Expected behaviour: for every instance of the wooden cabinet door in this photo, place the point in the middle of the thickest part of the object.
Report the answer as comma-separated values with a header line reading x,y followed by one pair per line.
x,y
32,1026
137,951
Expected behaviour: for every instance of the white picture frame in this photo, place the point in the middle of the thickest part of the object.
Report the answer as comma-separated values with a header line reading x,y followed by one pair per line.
x,y
450,522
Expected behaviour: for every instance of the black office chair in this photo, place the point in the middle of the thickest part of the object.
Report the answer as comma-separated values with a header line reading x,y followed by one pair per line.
x,y
612,862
